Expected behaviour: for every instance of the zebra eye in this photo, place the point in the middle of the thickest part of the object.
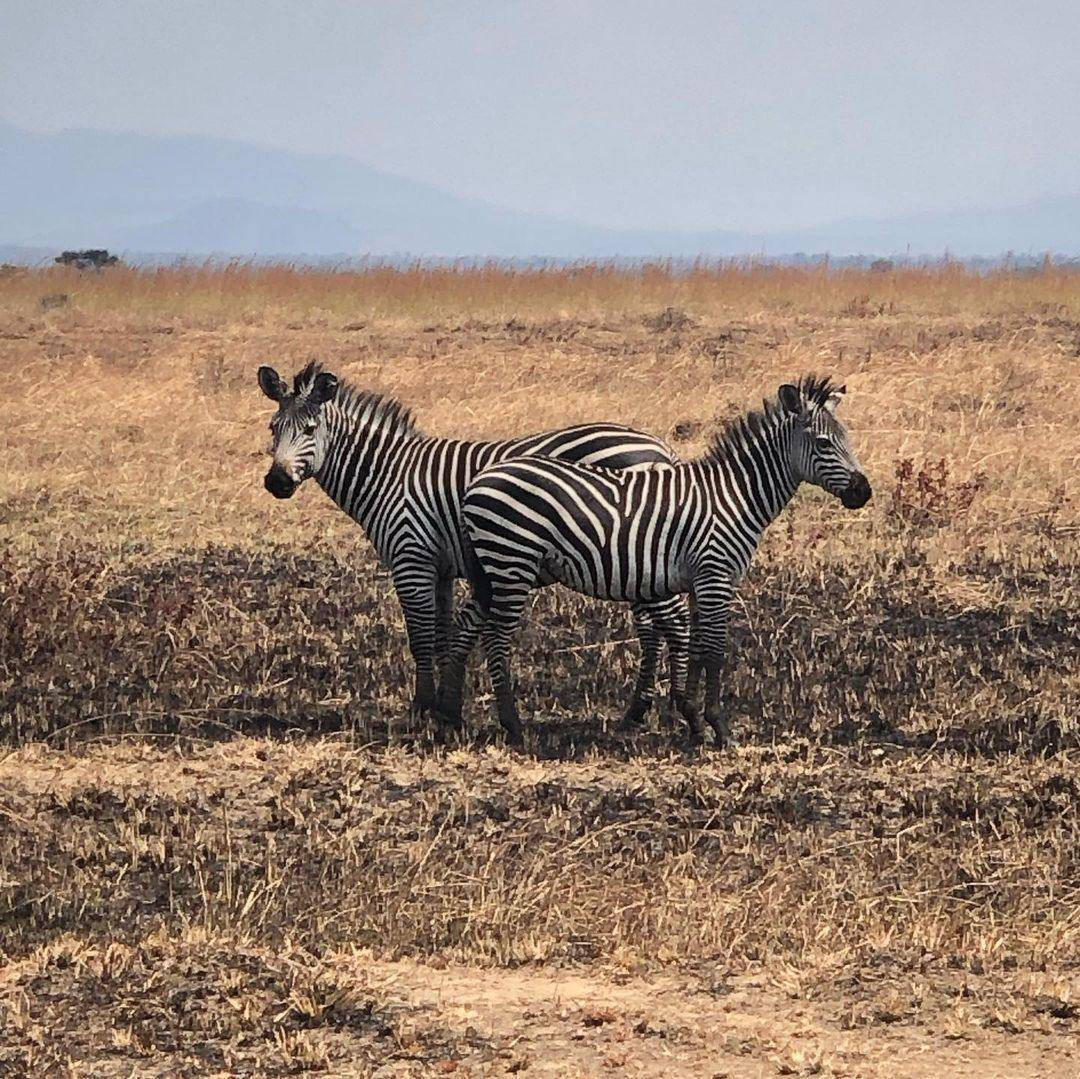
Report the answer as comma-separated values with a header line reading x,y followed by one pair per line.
x,y
309,428
821,442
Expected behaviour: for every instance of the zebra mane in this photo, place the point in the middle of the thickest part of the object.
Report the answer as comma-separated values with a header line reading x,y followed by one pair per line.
x,y
359,405
816,391
813,390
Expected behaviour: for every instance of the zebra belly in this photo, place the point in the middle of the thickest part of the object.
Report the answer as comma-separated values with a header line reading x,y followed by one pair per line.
x,y
660,585
561,570
663,583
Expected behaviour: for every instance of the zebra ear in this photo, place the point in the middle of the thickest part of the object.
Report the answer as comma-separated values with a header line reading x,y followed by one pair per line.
x,y
324,388
790,398
272,384
834,399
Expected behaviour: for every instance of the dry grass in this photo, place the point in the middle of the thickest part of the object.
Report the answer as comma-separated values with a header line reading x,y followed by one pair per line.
x,y
212,797
244,292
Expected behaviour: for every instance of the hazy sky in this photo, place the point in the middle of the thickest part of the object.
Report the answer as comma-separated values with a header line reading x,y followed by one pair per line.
x,y
671,114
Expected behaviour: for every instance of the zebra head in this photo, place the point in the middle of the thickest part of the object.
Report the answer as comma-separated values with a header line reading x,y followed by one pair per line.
x,y
299,428
821,451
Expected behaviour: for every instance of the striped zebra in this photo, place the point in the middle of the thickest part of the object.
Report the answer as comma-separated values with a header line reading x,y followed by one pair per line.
x,y
404,488
653,534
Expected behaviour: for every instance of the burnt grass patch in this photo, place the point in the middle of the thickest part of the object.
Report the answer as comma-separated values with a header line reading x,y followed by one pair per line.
x,y
951,863
216,642
906,774
195,1004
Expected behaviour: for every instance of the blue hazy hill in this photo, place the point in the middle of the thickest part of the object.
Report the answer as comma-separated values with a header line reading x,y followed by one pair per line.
x,y
196,195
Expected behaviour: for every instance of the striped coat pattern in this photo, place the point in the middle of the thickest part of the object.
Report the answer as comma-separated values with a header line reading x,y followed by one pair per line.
x,y
405,490
652,535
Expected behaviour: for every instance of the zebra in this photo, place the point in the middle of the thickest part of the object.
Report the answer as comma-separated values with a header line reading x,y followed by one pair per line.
x,y
653,534
404,488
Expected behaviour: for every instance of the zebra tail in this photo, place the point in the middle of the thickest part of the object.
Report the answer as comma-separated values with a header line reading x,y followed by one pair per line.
x,y
478,578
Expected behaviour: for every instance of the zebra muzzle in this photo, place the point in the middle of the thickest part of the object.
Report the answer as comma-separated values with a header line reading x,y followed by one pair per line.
x,y
857,493
279,483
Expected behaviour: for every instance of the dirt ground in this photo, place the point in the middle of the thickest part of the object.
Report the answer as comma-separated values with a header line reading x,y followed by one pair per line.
x,y
262,973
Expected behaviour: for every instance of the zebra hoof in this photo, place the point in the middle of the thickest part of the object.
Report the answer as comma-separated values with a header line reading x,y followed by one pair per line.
x,y
515,736
635,716
448,714
721,731
447,707
699,736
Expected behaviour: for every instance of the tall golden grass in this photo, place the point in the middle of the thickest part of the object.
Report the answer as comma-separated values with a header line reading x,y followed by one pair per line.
x,y
246,290
152,413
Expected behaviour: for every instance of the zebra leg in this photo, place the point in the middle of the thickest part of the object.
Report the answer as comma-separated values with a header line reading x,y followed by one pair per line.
x,y
677,636
444,618
416,591
657,621
468,623
697,662
713,602
649,634
714,714
502,619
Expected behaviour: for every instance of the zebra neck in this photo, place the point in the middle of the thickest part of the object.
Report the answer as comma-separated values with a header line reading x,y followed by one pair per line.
x,y
750,474
361,471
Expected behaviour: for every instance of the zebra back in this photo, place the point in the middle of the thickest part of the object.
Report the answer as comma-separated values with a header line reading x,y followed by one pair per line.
x,y
405,487
602,445
436,478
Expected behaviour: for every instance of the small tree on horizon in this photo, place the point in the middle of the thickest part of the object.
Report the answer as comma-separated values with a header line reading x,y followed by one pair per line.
x,y
95,258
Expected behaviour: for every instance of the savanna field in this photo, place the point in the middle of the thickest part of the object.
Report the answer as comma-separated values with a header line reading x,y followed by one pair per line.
x,y
226,848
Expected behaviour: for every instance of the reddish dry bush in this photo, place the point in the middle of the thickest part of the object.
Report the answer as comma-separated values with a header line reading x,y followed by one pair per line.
x,y
927,494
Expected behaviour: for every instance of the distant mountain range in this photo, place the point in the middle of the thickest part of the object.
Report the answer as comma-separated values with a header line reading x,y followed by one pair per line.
x,y
203,196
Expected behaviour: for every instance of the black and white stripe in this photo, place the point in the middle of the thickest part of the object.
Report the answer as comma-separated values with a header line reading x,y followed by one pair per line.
x,y
651,535
405,489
